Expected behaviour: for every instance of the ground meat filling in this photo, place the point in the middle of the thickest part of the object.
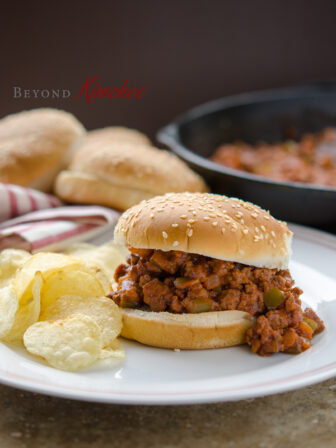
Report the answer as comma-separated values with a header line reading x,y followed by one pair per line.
x,y
179,282
310,160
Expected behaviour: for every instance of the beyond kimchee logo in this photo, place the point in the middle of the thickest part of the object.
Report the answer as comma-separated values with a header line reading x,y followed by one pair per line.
x,y
90,90
25,94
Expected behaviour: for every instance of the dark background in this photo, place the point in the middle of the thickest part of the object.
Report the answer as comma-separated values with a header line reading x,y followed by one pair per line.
x,y
183,53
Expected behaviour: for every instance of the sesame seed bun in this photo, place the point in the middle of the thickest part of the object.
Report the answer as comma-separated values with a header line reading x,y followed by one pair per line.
x,y
186,331
35,145
120,175
207,224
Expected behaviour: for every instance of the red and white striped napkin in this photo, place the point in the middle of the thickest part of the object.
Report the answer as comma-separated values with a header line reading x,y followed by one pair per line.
x,y
35,221
16,200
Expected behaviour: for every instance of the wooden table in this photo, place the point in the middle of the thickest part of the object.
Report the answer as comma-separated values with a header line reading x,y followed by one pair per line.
x,y
302,419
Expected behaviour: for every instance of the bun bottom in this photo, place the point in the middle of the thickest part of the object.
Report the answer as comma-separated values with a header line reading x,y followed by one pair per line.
x,y
86,189
186,331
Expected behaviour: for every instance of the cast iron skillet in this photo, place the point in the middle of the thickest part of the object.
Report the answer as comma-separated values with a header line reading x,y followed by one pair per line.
x,y
253,117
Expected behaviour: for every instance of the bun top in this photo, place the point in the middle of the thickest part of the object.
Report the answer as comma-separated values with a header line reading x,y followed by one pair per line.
x,y
35,141
207,224
135,166
118,134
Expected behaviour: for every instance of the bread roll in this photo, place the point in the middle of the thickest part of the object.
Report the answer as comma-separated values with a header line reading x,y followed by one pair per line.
x,y
118,134
35,145
120,175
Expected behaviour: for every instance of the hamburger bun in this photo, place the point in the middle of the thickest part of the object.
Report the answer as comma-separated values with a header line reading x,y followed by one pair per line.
x,y
186,331
35,145
120,175
206,224
118,134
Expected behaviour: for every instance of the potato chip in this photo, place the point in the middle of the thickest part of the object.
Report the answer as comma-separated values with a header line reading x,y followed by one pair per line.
x,y
58,275
67,344
10,261
27,284
99,274
44,262
115,350
103,310
28,310
79,249
8,307
69,282
108,256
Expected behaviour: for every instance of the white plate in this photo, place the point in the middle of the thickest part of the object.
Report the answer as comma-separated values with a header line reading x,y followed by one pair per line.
x,y
159,376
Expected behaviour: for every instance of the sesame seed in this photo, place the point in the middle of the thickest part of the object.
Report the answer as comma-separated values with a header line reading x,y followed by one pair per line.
x,y
164,234
214,224
256,238
175,243
223,229
242,221
183,216
263,228
239,215
254,215
191,221
152,215
206,218
267,217
174,225
190,232
272,233
194,213
257,229
245,231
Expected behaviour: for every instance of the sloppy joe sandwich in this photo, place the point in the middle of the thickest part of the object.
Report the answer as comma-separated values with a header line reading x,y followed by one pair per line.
x,y
208,271
120,175
36,144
